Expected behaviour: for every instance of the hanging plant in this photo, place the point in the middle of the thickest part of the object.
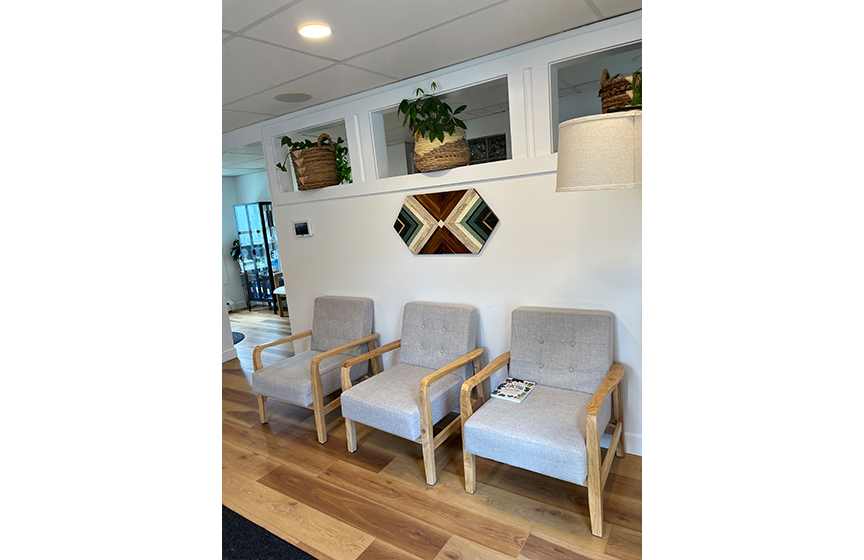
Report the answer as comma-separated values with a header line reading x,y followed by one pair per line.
x,y
343,170
428,116
439,136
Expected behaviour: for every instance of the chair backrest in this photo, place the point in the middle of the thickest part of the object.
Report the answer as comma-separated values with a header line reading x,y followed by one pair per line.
x,y
339,320
435,334
564,348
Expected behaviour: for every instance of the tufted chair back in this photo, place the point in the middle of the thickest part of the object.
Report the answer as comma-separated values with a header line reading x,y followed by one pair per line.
x,y
435,334
564,348
339,320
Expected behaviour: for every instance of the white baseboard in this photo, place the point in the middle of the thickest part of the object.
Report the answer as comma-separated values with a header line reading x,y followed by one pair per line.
x,y
229,355
632,443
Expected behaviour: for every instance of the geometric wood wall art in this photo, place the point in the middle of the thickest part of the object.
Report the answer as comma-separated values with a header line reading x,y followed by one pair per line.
x,y
443,223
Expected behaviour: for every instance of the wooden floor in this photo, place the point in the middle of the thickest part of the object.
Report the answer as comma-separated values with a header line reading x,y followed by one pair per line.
x,y
375,503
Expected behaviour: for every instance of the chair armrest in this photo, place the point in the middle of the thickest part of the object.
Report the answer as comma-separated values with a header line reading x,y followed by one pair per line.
x,y
425,404
324,355
465,407
613,377
449,368
256,354
346,367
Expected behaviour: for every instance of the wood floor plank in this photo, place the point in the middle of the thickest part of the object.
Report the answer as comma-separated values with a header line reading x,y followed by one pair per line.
x,y
336,447
510,508
274,448
537,548
380,550
629,466
246,462
460,548
402,531
624,543
338,540
276,531
415,500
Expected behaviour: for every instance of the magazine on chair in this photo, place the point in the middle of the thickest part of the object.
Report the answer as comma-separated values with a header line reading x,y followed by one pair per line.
x,y
514,390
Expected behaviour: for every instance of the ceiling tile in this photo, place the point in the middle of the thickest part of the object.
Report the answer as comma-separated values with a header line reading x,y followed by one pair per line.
x,y
235,160
479,34
350,19
232,120
332,83
253,148
612,8
249,67
237,14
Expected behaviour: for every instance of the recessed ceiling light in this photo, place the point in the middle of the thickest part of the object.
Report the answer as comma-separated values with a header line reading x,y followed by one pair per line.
x,y
293,97
314,30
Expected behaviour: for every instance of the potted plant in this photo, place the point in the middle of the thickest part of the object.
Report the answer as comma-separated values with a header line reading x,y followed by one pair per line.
x,y
620,93
439,136
317,165
235,254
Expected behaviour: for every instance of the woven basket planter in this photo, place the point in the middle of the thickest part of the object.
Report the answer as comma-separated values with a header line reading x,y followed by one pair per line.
x,y
316,167
436,155
615,93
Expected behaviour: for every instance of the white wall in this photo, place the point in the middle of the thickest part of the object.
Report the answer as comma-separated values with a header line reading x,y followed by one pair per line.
x,y
575,249
234,288
228,350
252,188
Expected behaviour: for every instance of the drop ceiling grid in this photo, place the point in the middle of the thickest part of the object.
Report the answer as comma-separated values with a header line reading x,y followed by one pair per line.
x,y
357,29
249,67
263,55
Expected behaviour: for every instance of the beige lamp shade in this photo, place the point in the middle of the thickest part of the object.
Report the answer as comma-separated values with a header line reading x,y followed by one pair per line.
x,y
600,152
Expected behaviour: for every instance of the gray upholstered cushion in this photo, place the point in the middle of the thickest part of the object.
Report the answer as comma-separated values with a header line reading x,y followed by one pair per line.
x,y
544,433
339,320
390,401
565,348
435,334
291,380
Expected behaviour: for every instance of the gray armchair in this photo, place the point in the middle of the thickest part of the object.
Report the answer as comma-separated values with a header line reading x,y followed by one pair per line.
x,y
556,430
438,349
340,327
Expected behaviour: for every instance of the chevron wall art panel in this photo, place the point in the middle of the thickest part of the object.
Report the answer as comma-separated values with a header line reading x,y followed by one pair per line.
x,y
453,222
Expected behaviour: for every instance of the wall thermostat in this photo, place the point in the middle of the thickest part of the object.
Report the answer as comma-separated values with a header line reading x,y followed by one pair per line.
x,y
303,229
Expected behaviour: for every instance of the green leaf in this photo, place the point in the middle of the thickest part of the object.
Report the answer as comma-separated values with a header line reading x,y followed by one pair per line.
x,y
460,109
285,140
460,124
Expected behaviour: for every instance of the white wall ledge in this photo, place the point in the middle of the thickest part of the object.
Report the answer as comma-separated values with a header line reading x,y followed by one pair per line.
x,y
449,179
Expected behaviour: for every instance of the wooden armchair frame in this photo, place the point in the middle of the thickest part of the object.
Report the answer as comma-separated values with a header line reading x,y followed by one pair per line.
x,y
427,440
278,297
597,473
318,406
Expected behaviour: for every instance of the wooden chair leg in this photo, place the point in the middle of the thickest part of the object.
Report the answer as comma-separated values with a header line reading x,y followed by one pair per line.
x,y
429,458
351,435
470,468
262,408
318,405
594,482
427,441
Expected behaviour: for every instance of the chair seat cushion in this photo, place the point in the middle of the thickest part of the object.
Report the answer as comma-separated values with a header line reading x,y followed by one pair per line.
x,y
280,291
390,401
290,380
545,433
